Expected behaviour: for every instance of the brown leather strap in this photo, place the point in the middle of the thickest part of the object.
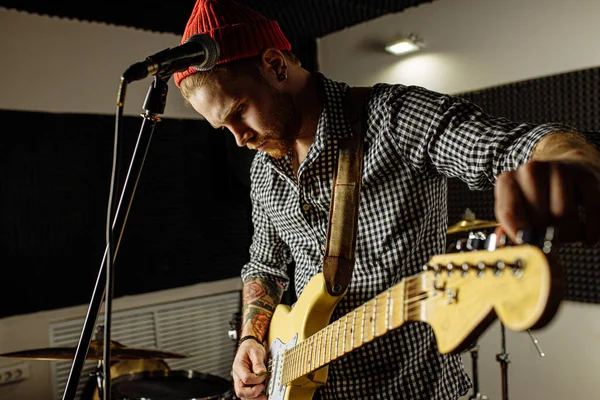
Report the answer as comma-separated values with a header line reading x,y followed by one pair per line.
x,y
339,259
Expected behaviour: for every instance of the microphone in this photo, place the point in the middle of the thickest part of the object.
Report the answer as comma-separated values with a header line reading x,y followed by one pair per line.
x,y
199,51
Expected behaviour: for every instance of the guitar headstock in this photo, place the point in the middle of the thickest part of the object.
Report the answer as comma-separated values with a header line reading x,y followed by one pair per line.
x,y
464,292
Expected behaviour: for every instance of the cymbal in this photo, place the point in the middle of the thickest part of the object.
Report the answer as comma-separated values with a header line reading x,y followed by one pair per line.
x,y
95,352
469,225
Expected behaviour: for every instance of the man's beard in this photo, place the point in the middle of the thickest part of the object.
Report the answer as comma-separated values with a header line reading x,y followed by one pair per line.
x,y
284,129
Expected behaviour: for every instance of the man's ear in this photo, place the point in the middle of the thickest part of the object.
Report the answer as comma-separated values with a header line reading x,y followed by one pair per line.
x,y
273,65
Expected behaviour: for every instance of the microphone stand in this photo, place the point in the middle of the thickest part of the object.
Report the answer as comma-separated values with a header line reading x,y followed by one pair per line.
x,y
154,104
502,358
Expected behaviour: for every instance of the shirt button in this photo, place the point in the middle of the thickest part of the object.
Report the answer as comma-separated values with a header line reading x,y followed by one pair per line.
x,y
306,206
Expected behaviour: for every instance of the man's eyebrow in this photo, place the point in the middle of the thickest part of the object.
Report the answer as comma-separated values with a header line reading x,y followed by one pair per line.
x,y
227,113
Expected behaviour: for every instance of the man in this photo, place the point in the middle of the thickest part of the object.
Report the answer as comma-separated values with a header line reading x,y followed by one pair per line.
x,y
415,139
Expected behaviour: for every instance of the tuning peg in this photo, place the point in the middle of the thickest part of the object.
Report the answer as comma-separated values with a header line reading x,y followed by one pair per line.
x,y
475,243
495,241
534,237
528,236
499,267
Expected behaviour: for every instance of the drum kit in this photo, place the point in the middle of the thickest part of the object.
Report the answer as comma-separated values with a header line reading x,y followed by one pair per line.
x,y
138,373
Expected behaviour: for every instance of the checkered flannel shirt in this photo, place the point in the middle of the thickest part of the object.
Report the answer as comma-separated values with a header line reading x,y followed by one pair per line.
x,y
415,140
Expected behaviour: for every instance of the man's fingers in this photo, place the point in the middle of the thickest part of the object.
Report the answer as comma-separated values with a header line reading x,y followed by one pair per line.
x,y
563,204
590,203
542,194
509,205
246,390
533,180
249,362
249,392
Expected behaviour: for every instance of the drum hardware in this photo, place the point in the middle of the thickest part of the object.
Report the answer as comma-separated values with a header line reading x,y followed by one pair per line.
x,y
235,324
502,358
474,356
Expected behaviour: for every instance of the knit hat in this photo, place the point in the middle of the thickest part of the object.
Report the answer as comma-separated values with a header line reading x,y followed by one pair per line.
x,y
239,31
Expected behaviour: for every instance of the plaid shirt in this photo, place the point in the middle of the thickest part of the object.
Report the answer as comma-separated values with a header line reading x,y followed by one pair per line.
x,y
415,140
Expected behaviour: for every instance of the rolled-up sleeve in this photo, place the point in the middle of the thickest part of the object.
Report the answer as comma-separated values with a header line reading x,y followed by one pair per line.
x,y
456,138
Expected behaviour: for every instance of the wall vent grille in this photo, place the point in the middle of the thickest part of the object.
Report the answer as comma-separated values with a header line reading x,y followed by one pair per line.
x,y
197,327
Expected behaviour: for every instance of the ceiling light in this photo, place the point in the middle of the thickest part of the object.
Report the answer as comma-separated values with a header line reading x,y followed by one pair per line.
x,y
405,45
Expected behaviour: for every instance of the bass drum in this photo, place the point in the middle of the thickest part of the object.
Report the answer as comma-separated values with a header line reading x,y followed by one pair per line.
x,y
171,385
118,368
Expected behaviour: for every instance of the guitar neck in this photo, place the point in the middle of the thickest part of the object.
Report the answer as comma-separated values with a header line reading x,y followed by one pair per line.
x,y
458,295
386,312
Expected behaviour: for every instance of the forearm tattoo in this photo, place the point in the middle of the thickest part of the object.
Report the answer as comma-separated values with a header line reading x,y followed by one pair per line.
x,y
259,299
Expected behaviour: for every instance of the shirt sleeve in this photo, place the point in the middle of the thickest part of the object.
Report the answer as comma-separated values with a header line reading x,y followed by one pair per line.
x,y
269,254
456,138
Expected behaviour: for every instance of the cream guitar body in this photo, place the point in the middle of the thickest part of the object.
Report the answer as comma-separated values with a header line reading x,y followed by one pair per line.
x,y
458,294
290,326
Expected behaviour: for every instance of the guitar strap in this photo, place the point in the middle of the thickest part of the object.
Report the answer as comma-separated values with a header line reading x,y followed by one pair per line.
x,y
339,259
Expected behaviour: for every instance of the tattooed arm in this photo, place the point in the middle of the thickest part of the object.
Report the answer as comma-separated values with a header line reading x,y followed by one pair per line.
x,y
259,299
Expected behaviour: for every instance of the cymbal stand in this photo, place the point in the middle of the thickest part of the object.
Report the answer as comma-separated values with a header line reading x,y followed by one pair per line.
x,y
502,358
99,373
476,394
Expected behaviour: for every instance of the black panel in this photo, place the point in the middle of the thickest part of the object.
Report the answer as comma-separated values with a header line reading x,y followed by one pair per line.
x,y
300,18
571,98
188,223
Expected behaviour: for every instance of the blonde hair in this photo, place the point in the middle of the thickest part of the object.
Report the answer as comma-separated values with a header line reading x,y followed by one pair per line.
x,y
243,67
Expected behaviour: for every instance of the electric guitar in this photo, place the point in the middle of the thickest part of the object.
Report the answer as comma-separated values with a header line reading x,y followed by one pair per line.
x,y
458,294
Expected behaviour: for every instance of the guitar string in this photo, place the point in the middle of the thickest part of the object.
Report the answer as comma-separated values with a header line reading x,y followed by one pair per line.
x,y
411,305
334,343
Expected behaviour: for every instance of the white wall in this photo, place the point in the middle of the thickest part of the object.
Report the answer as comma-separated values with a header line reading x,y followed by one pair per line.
x,y
473,45
470,44
59,65
55,65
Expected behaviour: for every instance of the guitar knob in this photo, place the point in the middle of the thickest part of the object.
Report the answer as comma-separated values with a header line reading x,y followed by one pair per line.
x,y
465,269
500,266
461,245
517,267
481,266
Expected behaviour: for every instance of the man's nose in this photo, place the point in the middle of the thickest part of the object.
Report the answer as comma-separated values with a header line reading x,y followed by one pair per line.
x,y
241,135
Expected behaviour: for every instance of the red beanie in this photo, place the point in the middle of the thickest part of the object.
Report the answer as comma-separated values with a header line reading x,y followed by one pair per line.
x,y
240,31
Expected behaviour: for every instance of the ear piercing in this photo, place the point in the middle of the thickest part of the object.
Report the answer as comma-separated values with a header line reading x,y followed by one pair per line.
x,y
282,76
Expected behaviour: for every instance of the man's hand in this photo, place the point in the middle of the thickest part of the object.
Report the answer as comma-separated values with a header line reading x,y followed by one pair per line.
x,y
556,188
249,371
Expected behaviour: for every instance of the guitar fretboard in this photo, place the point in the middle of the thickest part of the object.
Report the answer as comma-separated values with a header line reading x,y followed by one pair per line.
x,y
383,313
